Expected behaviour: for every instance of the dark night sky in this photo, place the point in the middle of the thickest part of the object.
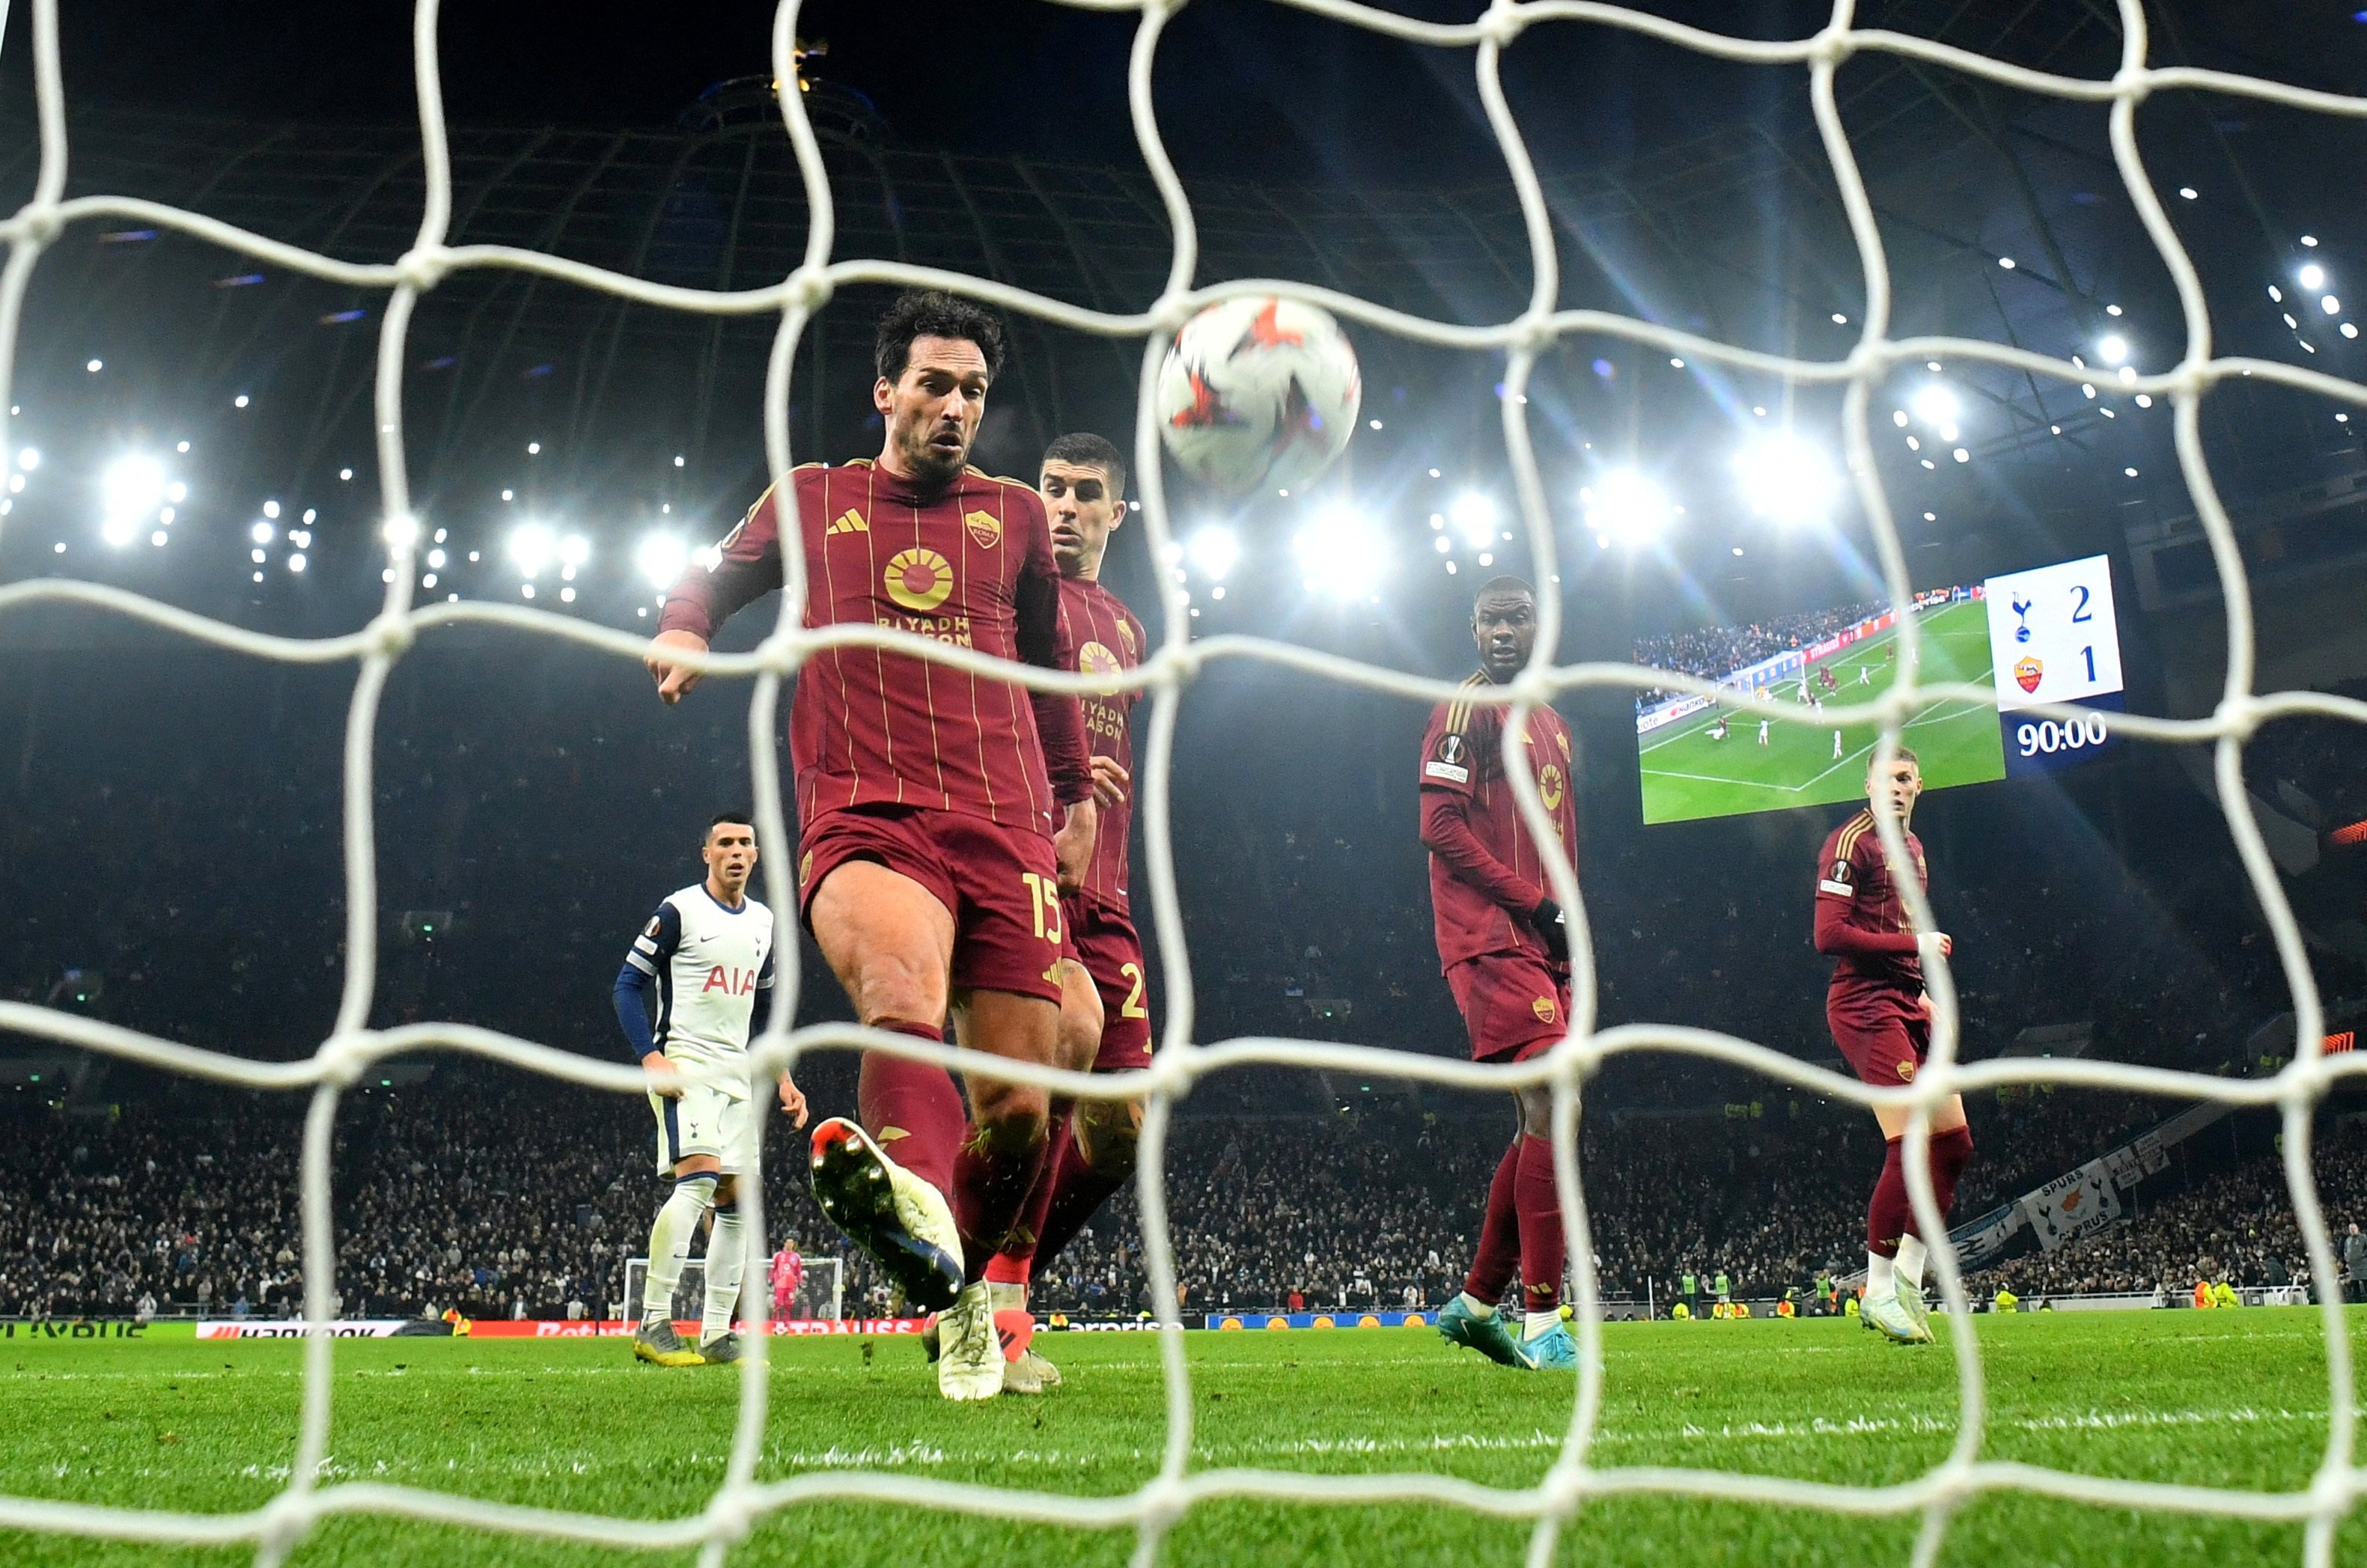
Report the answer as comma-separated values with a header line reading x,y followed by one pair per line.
x,y
1244,85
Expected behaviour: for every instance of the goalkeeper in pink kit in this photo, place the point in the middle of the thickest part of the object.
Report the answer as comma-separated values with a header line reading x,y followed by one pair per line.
x,y
788,1272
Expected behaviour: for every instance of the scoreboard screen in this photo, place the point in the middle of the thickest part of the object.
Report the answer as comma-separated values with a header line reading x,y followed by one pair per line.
x,y
2054,637
2047,634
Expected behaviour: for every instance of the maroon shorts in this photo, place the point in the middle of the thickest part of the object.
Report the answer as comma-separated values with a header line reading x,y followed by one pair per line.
x,y
1111,954
1514,1004
1881,1031
1006,926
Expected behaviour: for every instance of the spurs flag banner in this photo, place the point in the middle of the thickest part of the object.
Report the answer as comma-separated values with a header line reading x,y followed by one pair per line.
x,y
2072,1205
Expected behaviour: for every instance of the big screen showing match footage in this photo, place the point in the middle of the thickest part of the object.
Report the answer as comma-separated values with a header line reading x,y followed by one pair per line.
x,y
2048,635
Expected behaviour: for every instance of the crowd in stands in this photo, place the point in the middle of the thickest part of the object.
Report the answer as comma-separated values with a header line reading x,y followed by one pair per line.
x,y
2237,1225
501,1198
195,891
1712,653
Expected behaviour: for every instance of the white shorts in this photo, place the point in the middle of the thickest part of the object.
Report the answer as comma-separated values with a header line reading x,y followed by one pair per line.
x,y
705,1121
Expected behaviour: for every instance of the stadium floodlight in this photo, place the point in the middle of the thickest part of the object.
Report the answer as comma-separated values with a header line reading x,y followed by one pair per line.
x,y
2112,349
1213,551
130,492
531,548
1628,505
1935,403
1475,518
401,533
1342,553
2311,276
29,458
262,532
1787,481
574,550
660,559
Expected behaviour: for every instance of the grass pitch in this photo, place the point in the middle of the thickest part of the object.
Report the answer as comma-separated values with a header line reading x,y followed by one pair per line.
x,y
1686,775
2227,1399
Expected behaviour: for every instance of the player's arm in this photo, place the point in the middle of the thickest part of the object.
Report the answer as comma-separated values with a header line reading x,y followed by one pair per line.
x,y
652,947
1044,642
760,1013
706,597
1446,833
1835,936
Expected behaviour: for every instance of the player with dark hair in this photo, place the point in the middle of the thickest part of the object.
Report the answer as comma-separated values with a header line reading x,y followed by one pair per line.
x,y
1881,1019
1505,950
1105,1025
705,960
927,799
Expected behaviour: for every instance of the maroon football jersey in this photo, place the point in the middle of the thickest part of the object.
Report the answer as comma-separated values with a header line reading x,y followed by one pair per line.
x,y
1105,638
971,565
1462,755
1851,868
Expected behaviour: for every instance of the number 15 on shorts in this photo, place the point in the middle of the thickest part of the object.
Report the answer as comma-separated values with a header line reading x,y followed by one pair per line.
x,y
1044,895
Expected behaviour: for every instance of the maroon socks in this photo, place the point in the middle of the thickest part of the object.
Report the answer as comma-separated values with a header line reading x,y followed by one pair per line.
x,y
1499,1233
913,1109
1544,1247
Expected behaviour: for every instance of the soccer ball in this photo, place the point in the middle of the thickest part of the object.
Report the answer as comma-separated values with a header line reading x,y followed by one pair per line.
x,y
1259,391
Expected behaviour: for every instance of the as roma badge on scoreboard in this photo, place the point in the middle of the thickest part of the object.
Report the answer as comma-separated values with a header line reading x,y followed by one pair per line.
x,y
2026,674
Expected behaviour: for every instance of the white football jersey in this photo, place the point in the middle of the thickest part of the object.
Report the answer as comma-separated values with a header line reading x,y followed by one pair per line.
x,y
709,962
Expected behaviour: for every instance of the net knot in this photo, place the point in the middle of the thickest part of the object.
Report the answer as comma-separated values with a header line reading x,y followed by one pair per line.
x,y
1533,331
1164,1501
731,1515
391,636
422,267
38,223
343,1058
1170,312
782,652
1563,1489
808,289
1832,46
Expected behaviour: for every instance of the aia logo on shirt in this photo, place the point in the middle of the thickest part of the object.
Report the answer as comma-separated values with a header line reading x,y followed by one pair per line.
x,y
919,579
732,982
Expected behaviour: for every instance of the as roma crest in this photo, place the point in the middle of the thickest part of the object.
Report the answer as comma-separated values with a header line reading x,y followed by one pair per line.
x,y
2026,674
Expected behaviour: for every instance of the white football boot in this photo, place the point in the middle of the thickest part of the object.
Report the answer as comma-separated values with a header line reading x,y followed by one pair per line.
x,y
971,1365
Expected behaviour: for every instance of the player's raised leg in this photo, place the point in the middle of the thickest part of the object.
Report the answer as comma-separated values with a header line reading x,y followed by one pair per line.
x,y
890,941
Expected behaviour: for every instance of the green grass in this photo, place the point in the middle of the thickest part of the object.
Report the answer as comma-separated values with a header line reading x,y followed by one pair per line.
x,y
2232,1399
1686,775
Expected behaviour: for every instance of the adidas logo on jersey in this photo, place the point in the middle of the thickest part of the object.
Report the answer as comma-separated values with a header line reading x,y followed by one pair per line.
x,y
849,522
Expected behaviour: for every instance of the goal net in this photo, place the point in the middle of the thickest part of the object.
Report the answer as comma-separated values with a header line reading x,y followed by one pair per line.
x,y
819,1295
1579,1473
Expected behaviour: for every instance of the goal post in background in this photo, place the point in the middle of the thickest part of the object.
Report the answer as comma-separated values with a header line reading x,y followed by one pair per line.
x,y
820,1294
1153,1508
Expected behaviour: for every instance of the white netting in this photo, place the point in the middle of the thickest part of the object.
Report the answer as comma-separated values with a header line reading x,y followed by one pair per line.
x,y
1153,1508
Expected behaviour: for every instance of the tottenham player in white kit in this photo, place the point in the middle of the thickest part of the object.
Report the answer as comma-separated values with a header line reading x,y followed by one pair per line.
x,y
698,983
